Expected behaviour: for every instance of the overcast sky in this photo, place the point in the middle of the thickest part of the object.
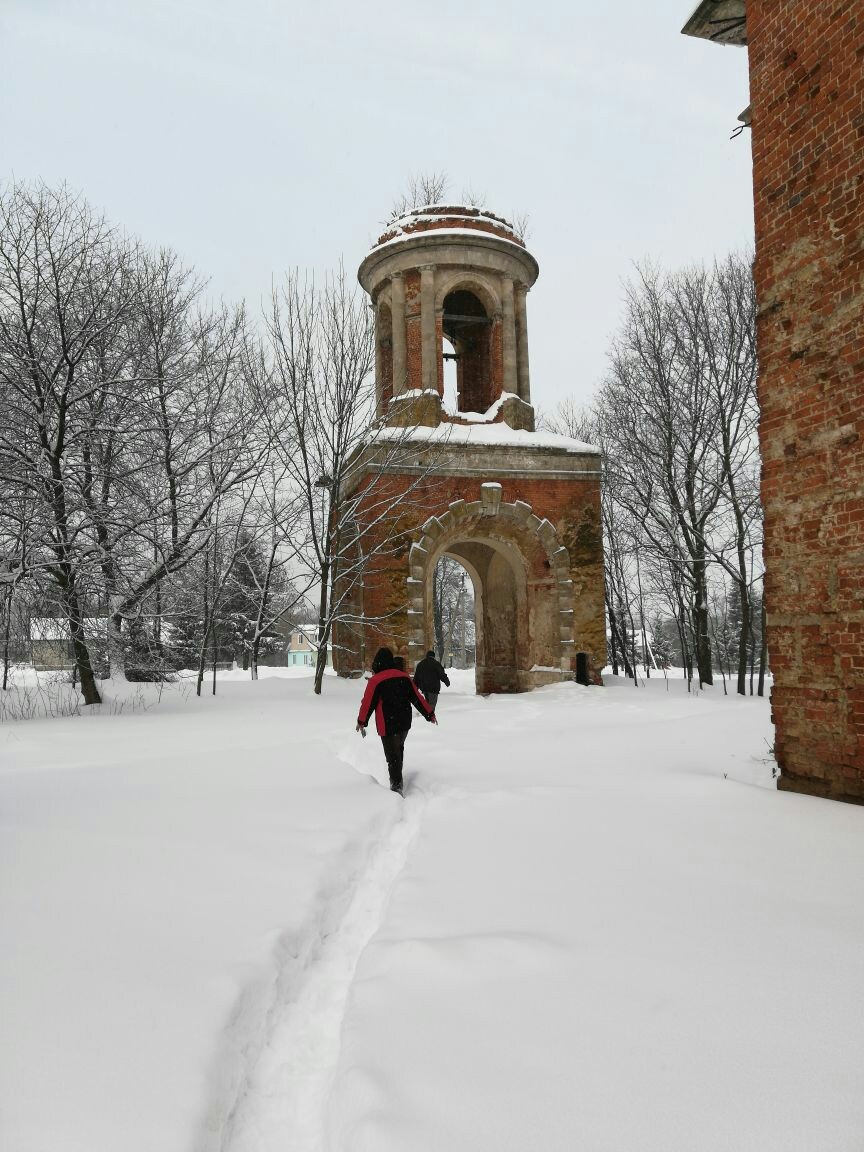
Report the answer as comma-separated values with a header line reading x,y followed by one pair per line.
x,y
254,135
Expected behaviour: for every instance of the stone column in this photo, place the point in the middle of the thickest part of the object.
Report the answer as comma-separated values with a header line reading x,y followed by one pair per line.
x,y
428,357
522,343
400,352
379,367
508,336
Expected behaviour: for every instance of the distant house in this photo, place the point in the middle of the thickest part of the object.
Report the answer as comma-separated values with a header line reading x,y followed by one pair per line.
x,y
51,642
296,647
300,648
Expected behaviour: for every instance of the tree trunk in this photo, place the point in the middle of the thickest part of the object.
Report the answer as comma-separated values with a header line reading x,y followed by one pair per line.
x,y
157,616
633,659
720,661
205,636
763,651
7,627
612,637
743,640
622,640
79,645
323,629
700,622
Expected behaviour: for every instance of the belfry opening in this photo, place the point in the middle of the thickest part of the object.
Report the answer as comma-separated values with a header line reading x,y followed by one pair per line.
x,y
455,459
467,326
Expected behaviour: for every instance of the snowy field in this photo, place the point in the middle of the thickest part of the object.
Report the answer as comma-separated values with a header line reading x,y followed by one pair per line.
x,y
592,924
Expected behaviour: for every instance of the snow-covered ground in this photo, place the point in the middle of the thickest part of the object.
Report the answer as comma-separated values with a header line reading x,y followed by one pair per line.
x,y
592,923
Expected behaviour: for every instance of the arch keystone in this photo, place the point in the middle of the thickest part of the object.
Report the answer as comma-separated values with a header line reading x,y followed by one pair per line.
x,y
490,498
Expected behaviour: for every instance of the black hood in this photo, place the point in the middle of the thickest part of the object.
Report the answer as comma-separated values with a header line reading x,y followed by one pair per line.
x,y
383,660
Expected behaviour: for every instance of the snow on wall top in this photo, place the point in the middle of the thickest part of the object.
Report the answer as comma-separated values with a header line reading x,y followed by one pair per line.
x,y
449,217
500,435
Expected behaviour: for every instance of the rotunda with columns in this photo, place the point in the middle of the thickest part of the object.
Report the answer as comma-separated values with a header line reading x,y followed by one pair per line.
x,y
460,471
457,274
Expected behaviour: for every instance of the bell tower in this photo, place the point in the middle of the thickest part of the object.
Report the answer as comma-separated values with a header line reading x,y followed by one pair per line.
x,y
472,480
462,275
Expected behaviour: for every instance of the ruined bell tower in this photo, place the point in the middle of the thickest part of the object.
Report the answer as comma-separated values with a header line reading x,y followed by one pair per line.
x,y
457,274
520,510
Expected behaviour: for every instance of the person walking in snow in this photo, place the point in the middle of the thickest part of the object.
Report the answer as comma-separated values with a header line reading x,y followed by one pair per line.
x,y
390,694
429,675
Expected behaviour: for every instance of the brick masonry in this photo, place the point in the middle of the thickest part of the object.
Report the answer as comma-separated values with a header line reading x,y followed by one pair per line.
x,y
807,93
571,505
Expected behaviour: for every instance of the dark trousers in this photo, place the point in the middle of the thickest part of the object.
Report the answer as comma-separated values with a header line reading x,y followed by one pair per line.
x,y
394,749
431,699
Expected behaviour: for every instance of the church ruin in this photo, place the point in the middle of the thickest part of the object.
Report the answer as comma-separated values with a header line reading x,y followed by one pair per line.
x,y
807,119
520,510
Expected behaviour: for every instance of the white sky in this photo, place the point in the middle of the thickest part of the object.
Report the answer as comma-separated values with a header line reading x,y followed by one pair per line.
x,y
258,135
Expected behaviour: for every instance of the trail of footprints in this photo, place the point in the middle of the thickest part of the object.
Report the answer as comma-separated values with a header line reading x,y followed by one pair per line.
x,y
282,1098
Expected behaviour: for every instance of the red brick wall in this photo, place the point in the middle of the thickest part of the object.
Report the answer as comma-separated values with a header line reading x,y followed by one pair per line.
x,y
807,91
573,508
413,339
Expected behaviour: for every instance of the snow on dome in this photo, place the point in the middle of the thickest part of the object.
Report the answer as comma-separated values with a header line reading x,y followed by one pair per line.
x,y
461,217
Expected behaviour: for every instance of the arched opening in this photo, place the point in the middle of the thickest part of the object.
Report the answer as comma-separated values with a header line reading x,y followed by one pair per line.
x,y
501,643
453,613
467,325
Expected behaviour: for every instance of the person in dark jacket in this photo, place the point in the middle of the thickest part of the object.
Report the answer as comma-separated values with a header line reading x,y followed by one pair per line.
x,y
390,694
429,675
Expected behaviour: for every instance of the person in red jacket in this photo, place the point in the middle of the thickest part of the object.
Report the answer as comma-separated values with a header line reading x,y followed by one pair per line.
x,y
390,694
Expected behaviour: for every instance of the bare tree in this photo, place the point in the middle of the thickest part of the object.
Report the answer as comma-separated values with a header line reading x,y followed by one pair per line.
x,y
423,189
452,608
660,424
720,311
130,413
262,568
65,285
200,442
676,421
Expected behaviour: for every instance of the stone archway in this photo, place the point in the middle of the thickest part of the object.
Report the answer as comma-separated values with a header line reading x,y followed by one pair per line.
x,y
522,589
498,577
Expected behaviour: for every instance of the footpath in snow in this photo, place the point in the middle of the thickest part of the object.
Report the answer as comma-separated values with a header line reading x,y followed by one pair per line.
x,y
593,923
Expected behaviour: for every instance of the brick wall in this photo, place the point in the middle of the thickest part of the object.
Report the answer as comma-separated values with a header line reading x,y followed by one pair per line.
x,y
571,505
807,92
413,344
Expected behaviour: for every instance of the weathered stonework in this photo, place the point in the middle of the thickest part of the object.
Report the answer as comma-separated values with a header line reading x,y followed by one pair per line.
x,y
457,272
807,116
509,506
413,411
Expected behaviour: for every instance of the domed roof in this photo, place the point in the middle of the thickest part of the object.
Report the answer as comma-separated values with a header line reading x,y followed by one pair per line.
x,y
449,217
